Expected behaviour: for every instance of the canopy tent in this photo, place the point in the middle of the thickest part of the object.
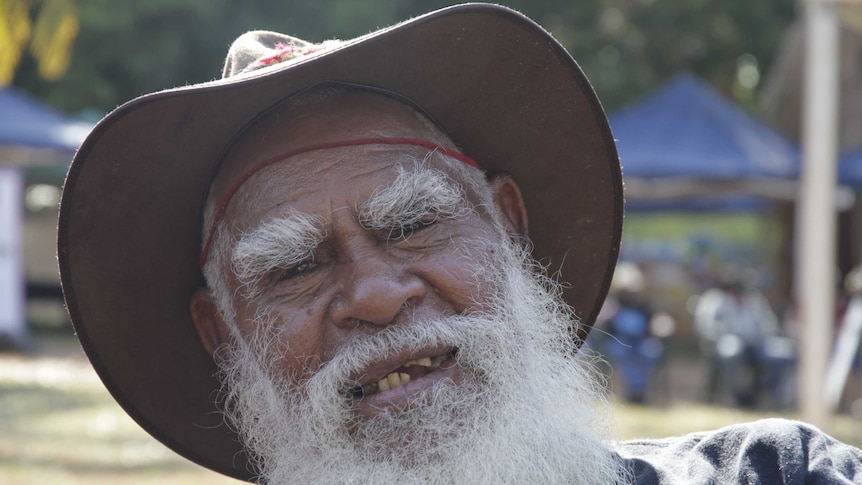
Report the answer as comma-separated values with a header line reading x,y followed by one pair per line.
x,y
850,168
686,140
26,122
36,146
718,203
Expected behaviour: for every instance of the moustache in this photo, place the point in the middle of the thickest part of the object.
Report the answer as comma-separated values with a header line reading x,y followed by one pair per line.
x,y
473,338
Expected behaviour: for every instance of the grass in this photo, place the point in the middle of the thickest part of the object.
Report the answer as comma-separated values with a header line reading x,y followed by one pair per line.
x,y
686,417
740,228
59,425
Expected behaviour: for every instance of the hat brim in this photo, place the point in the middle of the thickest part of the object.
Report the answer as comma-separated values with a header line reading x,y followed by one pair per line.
x,y
129,228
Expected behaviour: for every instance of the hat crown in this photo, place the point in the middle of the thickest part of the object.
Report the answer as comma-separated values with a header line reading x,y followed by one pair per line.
x,y
262,48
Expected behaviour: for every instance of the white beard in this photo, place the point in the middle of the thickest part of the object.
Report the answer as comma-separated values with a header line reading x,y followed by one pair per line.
x,y
527,409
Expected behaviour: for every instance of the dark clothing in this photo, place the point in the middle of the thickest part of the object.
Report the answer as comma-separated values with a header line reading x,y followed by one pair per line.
x,y
771,451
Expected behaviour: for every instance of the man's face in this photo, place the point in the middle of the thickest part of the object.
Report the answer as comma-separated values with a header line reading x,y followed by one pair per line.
x,y
378,322
345,241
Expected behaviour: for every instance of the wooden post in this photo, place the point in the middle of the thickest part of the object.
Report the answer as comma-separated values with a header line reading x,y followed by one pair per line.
x,y
816,277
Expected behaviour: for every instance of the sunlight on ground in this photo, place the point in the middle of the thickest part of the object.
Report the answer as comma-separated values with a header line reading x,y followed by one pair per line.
x,y
685,417
59,425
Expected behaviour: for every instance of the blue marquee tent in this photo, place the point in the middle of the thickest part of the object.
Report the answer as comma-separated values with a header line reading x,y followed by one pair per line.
x,y
686,129
850,168
26,122
700,204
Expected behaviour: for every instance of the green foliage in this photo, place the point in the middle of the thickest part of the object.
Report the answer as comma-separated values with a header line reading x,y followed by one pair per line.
x,y
629,47
126,48
14,33
50,38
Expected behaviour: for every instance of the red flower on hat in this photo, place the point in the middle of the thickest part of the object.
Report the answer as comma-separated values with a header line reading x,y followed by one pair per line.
x,y
285,52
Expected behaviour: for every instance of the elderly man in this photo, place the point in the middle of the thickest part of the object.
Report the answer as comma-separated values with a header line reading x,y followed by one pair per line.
x,y
319,270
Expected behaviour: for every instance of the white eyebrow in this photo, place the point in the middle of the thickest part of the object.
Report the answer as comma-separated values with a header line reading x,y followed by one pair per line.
x,y
278,243
414,195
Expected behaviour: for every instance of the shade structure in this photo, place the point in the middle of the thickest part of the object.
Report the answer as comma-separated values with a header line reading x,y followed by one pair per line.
x,y
688,130
27,122
850,168
702,204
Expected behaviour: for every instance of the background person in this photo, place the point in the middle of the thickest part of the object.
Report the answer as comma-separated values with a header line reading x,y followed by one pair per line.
x,y
741,336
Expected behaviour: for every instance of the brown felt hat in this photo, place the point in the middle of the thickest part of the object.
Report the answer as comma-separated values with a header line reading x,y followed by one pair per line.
x,y
130,221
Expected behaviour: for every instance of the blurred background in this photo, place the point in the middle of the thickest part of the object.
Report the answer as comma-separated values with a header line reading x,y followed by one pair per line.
x,y
707,99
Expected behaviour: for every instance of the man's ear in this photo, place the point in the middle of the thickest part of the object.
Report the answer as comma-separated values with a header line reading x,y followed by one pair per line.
x,y
209,322
510,205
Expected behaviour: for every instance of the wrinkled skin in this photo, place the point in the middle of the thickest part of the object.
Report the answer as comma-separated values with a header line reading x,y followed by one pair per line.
x,y
376,317
360,279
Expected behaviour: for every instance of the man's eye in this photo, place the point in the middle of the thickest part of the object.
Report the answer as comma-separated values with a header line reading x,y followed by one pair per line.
x,y
406,230
299,269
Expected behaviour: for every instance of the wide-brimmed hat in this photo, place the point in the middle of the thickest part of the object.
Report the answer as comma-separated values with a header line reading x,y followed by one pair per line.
x,y
130,222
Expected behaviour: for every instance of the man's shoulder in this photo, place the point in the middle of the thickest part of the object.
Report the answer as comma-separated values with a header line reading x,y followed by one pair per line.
x,y
765,452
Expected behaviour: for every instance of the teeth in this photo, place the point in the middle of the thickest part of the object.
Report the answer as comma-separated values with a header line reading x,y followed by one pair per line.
x,y
424,362
383,384
397,379
436,361
393,380
369,389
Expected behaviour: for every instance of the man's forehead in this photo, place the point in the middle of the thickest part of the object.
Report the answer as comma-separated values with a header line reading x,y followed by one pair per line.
x,y
340,179
291,126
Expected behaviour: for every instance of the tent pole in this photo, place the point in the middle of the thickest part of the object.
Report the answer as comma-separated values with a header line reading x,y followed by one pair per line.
x,y
816,265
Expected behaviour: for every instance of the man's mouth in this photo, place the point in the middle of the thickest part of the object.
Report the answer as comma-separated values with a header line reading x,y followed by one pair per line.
x,y
407,372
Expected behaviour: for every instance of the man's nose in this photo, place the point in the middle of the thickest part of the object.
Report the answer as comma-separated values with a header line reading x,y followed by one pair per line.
x,y
375,288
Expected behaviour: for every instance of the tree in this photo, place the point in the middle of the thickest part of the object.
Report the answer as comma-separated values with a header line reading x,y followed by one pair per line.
x,y
627,47
50,39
